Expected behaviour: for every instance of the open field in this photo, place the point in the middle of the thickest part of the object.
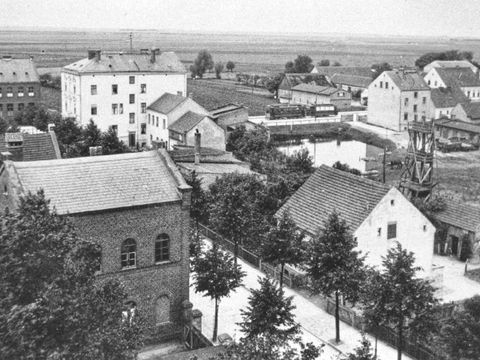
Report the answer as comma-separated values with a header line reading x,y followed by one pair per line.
x,y
261,53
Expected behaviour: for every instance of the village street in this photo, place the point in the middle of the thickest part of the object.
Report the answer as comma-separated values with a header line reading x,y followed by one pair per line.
x,y
317,325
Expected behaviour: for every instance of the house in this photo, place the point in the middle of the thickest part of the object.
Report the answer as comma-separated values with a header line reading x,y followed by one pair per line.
x,y
462,225
467,112
378,216
230,116
29,147
461,78
397,97
444,100
351,83
447,128
19,86
449,64
136,207
307,94
293,79
114,90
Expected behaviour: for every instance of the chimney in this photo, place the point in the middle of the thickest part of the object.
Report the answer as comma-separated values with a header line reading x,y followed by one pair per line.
x,y
153,54
144,51
95,150
94,54
51,127
198,139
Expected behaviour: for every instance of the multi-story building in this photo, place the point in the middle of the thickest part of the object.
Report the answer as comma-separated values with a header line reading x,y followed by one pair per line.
x,y
397,97
114,90
19,86
462,78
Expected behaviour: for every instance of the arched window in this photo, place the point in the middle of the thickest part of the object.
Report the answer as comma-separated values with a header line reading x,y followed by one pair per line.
x,y
128,254
162,248
162,310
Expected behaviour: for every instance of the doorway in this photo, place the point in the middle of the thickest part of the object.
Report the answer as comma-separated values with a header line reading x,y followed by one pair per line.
x,y
131,139
454,245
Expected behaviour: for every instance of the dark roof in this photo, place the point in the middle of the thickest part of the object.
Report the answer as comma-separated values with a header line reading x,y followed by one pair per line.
x,y
451,64
352,80
408,80
292,79
460,215
459,125
460,77
187,121
345,70
109,63
18,71
166,103
43,146
315,89
227,108
105,182
472,109
447,97
329,189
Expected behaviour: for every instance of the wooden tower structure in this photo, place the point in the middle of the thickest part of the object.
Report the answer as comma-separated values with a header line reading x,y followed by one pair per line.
x,y
417,174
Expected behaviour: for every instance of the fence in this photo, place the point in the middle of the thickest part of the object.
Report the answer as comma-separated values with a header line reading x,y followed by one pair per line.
x,y
194,339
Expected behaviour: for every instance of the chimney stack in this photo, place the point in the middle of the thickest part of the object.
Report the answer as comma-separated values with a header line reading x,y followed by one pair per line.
x,y
198,139
94,54
153,55
51,127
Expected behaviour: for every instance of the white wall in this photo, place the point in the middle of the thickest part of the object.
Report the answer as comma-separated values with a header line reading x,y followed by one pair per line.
x,y
414,232
213,136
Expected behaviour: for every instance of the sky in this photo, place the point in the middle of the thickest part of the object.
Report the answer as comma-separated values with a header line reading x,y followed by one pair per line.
x,y
454,18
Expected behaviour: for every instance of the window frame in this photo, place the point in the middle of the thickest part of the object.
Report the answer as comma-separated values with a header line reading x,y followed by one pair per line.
x,y
131,79
131,98
129,250
93,90
162,248
392,230
114,89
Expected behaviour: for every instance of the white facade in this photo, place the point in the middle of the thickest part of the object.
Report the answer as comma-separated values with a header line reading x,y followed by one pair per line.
x,y
88,96
433,80
412,230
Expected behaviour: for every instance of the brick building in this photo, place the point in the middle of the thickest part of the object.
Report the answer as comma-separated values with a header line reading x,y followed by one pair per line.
x,y
19,86
136,206
29,147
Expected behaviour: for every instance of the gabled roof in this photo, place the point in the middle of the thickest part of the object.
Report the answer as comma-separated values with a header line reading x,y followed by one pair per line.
x,y
329,189
111,63
315,89
460,215
43,146
458,77
187,121
292,79
459,125
363,71
97,183
352,80
407,80
18,71
447,97
166,103
451,64
472,109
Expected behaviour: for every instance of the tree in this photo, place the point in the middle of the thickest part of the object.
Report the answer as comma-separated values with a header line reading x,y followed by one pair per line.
x,y
345,167
404,300
230,66
300,162
111,144
362,352
273,83
269,313
333,265
336,63
460,334
302,64
68,133
198,203
218,70
4,125
216,275
427,58
202,64
34,115
51,304
283,244
377,69
324,62
289,67
91,136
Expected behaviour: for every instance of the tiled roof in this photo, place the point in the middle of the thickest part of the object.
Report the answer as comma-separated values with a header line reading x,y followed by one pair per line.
x,y
460,215
451,64
166,103
97,183
345,70
459,125
407,80
447,97
43,146
226,108
292,79
329,189
472,109
352,80
315,89
458,77
18,71
186,122
110,63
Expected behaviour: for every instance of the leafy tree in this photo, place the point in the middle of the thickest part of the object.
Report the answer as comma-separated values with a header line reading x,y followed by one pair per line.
x,y
198,204
427,58
289,67
202,64
324,62
269,313
36,116
216,275
302,64
273,83
68,133
362,352
345,167
111,144
460,334
230,66
4,125
50,303
300,162
404,300
218,70
377,69
334,266
336,63
283,244
91,136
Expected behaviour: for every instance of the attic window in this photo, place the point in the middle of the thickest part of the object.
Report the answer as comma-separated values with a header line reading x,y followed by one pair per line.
x,y
424,227
14,73
392,202
379,231
26,73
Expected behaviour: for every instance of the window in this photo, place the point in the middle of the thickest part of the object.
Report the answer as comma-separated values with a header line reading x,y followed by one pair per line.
x,y
128,255
21,107
162,310
435,83
386,84
415,108
429,82
143,128
9,91
131,118
179,93
143,107
148,119
74,90
405,116
406,101
1,92
392,202
379,232
1,108
131,79
381,84
93,110
415,117
164,124
93,89
392,231
424,227
424,118
143,88
132,139
115,128
31,104
424,100
114,89
131,98
114,109
162,248
20,92
157,121
120,108
468,93
415,95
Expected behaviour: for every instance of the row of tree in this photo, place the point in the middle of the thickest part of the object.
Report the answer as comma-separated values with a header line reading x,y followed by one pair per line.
x,y
204,62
